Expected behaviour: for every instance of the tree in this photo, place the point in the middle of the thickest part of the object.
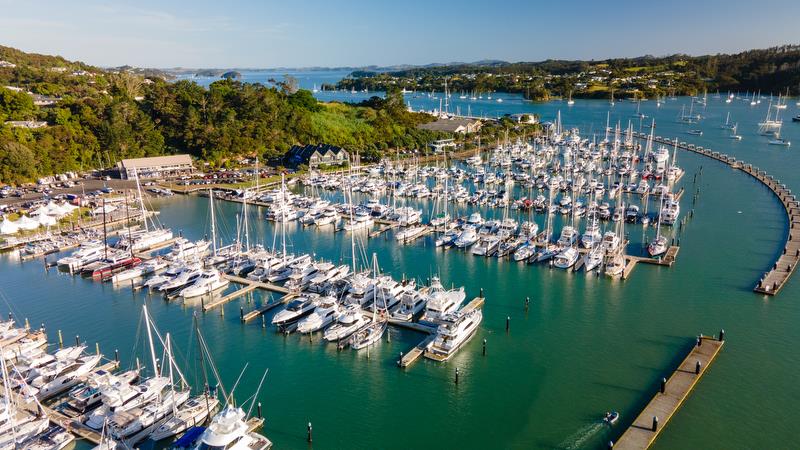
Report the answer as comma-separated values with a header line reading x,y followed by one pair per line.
x,y
15,105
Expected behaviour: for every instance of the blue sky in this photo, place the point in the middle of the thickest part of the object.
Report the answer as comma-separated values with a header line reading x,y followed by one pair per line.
x,y
302,33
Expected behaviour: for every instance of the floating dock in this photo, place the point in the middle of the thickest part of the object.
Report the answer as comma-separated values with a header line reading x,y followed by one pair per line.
x,y
418,350
268,306
249,286
772,281
655,416
73,426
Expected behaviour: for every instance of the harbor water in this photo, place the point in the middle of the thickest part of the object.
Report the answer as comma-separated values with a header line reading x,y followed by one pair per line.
x,y
584,346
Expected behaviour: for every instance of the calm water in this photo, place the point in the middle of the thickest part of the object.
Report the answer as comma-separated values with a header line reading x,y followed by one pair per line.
x,y
586,345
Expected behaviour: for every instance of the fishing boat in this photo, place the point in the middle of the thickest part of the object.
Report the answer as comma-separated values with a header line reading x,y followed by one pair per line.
x,y
454,330
441,301
411,304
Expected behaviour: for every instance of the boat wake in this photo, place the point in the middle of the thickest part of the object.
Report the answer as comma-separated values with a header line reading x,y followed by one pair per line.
x,y
579,439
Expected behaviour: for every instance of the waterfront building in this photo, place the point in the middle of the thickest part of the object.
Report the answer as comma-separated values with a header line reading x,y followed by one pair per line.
x,y
156,166
316,155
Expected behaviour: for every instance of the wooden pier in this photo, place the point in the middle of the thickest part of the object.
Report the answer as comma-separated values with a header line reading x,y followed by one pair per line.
x,y
772,281
146,253
267,307
249,286
476,302
415,353
386,227
655,416
72,425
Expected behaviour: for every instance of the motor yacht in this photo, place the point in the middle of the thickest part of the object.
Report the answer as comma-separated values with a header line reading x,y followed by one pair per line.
x,y
441,301
454,330
566,258
351,320
229,430
326,312
296,310
210,280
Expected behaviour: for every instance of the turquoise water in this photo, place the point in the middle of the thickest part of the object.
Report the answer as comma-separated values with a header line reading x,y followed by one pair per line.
x,y
586,345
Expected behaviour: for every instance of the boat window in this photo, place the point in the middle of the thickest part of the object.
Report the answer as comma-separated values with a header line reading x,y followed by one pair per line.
x,y
210,447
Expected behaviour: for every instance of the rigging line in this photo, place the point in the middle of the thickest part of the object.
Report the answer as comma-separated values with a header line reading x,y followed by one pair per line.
x,y
207,353
250,410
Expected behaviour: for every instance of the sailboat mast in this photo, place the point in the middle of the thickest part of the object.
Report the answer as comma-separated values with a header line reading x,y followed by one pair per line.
x,y
141,199
213,224
150,340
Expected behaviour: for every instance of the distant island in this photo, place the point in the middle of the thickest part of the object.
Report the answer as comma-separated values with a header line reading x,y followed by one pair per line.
x,y
232,75
772,70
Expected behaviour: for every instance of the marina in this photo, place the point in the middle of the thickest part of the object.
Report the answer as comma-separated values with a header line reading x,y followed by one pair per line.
x,y
566,310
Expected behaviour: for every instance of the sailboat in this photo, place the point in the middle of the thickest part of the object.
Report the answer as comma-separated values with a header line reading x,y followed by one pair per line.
x,y
374,330
778,140
659,245
733,134
152,235
230,428
727,125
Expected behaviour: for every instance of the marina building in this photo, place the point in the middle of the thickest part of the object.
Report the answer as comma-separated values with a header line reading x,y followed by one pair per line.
x,y
156,166
316,155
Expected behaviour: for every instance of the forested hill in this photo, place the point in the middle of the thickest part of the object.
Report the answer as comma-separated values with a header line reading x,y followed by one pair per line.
x,y
87,117
770,70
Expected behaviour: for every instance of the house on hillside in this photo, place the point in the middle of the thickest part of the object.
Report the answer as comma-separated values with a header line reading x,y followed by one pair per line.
x,y
316,155
29,124
453,125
